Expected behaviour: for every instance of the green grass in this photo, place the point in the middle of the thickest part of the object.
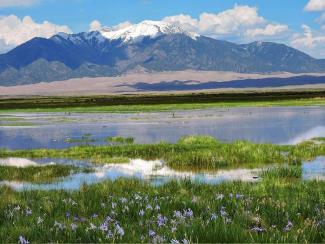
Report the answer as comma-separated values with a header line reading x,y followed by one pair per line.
x,y
120,140
172,107
195,153
268,211
33,174
283,172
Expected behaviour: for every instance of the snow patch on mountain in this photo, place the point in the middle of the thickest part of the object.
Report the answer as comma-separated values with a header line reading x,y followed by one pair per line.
x,y
81,38
151,29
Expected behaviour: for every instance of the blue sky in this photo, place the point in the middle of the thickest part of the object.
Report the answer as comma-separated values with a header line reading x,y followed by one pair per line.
x,y
77,14
299,23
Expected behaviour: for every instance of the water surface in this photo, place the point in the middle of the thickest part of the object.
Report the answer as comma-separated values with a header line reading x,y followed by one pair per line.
x,y
282,125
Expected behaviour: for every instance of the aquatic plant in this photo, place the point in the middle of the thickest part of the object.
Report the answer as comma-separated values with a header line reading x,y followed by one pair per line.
x,y
84,138
37,174
120,140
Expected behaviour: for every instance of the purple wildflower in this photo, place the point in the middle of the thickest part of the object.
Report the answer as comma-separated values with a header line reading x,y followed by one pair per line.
x,y
213,216
188,213
151,233
108,219
28,212
174,241
22,240
141,212
223,213
103,226
178,214
239,196
257,229
288,226
161,220
149,207
185,241
119,230
123,200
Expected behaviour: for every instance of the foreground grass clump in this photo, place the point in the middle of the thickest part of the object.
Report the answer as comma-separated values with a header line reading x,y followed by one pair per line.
x,y
283,172
131,211
36,174
194,152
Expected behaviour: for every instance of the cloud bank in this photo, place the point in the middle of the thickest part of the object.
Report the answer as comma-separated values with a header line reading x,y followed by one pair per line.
x,y
312,41
15,31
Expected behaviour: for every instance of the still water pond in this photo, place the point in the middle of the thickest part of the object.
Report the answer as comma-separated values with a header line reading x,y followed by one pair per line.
x,y
154,172
283,125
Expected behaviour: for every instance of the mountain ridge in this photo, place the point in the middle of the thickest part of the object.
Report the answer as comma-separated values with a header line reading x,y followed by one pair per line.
x,y
161,47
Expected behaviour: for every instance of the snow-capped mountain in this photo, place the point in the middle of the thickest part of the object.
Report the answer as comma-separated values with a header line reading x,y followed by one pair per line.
x,y
151,46
151,29
81,38
130,34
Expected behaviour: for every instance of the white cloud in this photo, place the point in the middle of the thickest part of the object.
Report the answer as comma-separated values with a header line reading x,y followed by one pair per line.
x,y
120,26
268,30
95,26
15,31
315,5
241,23
230,21
310,41
16,3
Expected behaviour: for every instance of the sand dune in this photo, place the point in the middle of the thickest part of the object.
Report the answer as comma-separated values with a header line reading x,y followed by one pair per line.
x,y
125,83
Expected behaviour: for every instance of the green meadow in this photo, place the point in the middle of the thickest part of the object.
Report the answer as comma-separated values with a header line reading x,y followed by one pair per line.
x,y
280,207
136,108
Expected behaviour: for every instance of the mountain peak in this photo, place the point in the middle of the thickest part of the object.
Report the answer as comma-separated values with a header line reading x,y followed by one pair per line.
x,y
147,28
80,37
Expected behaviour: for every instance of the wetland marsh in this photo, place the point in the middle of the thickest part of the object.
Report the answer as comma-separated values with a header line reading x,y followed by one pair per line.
x,y
247,174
